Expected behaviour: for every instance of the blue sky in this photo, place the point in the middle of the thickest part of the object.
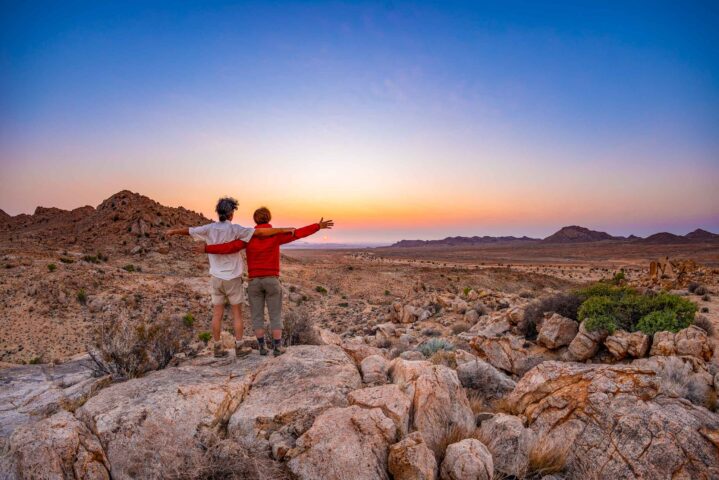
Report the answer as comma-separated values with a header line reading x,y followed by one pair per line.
x,y
399,119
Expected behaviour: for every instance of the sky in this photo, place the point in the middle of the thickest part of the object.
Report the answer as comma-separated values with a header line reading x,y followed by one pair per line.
x,y
396,119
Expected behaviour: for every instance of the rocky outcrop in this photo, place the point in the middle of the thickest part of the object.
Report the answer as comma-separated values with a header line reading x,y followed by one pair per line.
x,y
393,402
438,399
617,422
351,442
411,459
510,443
466,459
557,331
59,447
291,390
32,392
691,341
586,344
510,353
490,383
358,350
166,408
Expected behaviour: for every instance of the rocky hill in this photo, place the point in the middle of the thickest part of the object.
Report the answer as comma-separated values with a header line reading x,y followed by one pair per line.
x,y
576,234
701,235
123,222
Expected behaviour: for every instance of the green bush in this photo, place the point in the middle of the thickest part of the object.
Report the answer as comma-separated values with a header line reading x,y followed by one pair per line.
x,y
432,346
618,277
82,296
66,260
386,292
91,259
129,268
188,319
204,336
662,320
320,289
466,291
52,267
598,312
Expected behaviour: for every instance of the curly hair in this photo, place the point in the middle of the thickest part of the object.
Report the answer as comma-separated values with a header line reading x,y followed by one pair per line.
x,y
226,207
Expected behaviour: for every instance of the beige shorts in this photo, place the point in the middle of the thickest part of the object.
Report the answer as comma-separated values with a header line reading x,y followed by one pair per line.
x,y
232,291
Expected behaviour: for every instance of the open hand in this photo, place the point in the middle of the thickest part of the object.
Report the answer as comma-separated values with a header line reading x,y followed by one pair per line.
x,y
199,248
326,223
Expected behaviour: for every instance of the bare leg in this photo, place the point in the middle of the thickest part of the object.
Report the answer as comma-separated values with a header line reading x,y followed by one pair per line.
x,y
259,332
217,313
239,324
277,334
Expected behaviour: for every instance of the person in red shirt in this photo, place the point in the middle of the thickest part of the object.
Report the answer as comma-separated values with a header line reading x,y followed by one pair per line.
x,y
263,268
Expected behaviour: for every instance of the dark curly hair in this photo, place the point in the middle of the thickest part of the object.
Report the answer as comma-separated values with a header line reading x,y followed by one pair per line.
x,y
226,207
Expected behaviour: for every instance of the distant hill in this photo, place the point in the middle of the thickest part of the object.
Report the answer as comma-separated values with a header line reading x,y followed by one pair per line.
x,y
462,241
576,234
570,234
700,234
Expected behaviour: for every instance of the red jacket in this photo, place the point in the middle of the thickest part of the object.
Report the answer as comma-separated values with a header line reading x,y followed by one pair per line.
x,y
263,253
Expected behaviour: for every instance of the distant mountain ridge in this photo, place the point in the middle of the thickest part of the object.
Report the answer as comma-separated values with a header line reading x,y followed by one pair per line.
x,y
569,234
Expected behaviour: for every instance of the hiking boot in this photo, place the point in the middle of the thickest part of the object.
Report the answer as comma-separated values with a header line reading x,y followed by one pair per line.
x,y
218,351
263,349
277,351
241,351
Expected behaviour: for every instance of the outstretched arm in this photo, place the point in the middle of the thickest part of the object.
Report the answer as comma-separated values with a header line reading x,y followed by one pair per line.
x,y
307,231
268,232
223,248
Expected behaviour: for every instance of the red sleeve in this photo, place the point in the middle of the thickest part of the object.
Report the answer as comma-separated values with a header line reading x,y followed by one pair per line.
x,y
299,233
223,248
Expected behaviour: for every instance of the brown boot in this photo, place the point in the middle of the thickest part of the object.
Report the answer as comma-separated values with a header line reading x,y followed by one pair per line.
x,y
241,350
218,351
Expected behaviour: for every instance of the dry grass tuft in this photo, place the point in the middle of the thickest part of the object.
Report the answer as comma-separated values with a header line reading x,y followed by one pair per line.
x,y
299,328
444,357
477,403
678,380
547,456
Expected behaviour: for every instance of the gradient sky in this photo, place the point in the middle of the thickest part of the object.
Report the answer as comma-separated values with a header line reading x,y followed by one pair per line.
x,y
398,120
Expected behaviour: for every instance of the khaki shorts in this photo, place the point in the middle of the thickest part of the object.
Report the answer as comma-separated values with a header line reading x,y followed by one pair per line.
x,y
265,291
232,291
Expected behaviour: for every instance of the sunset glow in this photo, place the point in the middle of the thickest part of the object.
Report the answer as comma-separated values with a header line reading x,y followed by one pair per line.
x,y
395,120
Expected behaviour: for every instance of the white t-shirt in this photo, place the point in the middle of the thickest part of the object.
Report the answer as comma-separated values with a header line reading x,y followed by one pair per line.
x,y
225,267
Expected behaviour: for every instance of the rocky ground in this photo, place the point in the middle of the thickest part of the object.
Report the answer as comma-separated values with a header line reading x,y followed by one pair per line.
x,y
404,366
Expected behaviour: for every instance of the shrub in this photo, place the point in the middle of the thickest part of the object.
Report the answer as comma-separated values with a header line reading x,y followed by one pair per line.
x,y
386,292
705,324
82,296
663,320
344,304
700,290
444,357
706,297
66,260
126,350
432,346
35,361
189,320
205,337
90,259
618,278
692,287
320,289
466,291
129,268
705,309
677,379
52,267
460,327
431,332
599,314
299,328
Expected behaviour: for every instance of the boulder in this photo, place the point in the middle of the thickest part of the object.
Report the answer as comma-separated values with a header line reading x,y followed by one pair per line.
x,y
622,344
487,380
463,356
411,355
467,459
510,443
358,351
374,370
326,337
393,402
586,344
350,442
149,426
58,447
291,390
693,341
663,344
412,459
384,333
510,353
438,399
471,316
557,331
617,422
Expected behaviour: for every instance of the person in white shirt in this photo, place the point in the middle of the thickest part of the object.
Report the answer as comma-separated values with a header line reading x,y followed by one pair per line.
x,y
226,283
